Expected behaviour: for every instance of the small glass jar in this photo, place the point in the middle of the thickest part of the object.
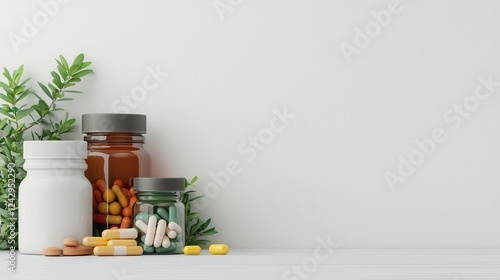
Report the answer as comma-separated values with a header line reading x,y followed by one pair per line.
x,y
116,155
55,197
159,210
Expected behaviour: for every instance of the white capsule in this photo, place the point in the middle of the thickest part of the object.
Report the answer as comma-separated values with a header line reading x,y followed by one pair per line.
x,y
171,234
160,232
166,242
142,226
174,226
150,234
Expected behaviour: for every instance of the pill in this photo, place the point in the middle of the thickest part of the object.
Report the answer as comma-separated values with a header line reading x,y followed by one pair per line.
x,y
122,242
51,251
132,191
174,226
118,251
143,238
122,199
77,251
94,204
126,193
178,237
157,216
142,216
94,187
108,195
150,234
218,249
165,243
102,208
141,225
132,201
122,233
104,219
160,232
170,248
191,250
93,241
125,222
127,211
147,249
162,212
171,234
172,214
97,195
118,182
70,242
115,208
101,185
114,227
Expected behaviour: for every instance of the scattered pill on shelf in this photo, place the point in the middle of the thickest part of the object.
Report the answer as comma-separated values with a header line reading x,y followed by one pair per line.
x,y
218,249
192,250
51,251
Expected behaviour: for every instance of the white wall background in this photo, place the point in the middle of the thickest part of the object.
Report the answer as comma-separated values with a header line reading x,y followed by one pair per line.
x,y
324,173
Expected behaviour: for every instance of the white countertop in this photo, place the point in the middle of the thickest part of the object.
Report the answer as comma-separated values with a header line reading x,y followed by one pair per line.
x,y
462,264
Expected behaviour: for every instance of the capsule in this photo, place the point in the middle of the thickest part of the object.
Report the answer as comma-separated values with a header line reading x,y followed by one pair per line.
x,y
122,199
104,219
162,212
171,248
118,251
171,234
218,249
147,249
150,234
160,232
141,225
174,226
122,242
165,243
122,233
172,213
191,250
92,241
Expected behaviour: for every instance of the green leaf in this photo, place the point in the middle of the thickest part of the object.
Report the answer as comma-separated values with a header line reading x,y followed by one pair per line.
x,y
5,98
45,89
64,62
211,231
195,198
62,71
205,224
78,60
6,131
72,91
24,94
7,74
195,178
57,79
43,106
85,65
82,73
23,113
2,111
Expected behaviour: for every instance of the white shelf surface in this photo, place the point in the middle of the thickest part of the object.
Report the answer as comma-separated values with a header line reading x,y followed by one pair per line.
x,y
380,264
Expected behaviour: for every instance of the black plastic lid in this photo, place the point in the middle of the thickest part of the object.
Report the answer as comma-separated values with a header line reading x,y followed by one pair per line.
x,y
144,184
104,122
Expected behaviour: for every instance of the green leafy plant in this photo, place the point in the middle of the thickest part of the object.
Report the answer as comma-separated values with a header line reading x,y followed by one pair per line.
x,y
196,228
26,113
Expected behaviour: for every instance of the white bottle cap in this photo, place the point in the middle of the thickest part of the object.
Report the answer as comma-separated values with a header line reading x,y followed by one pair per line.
x,y
53,149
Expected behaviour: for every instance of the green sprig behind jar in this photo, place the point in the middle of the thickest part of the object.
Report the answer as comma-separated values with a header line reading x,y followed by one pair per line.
x,y
196,228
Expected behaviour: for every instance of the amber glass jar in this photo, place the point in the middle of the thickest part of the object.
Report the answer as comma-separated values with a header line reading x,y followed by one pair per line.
x,y
116,155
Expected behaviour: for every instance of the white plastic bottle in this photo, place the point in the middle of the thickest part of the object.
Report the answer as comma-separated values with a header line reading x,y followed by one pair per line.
x,y
55,198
